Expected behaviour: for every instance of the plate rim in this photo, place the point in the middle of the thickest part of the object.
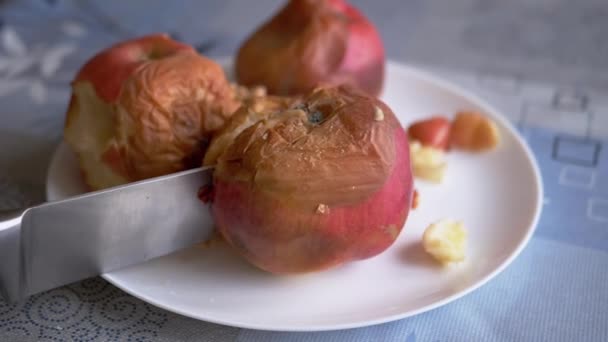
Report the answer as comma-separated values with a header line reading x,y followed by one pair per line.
x,y
440,82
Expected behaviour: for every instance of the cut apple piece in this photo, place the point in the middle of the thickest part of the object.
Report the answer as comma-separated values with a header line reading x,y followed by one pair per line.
x,y
427,162
473,131
433,132
445,241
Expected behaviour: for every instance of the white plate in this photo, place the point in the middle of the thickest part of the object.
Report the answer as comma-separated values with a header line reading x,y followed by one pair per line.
x,y
497,194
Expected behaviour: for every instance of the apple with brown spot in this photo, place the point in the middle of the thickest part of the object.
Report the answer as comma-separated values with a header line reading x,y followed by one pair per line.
x,y
321,183
144,108
313,42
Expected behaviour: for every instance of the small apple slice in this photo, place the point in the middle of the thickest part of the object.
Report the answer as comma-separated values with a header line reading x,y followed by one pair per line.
x,y
427,162
474,132
433,132
445,240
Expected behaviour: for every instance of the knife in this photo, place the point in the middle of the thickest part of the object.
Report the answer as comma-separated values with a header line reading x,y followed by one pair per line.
x,y
58,243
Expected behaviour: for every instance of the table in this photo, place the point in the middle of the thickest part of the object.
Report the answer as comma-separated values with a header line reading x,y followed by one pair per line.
x,y
543,64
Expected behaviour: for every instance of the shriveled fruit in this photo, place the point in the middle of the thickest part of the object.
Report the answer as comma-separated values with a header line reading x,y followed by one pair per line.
x,y
445,240
320,183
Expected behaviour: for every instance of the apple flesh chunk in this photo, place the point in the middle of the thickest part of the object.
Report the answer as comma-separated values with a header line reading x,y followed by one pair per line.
x,y
427,162
445,240
144,108
308,43
88,131
320,184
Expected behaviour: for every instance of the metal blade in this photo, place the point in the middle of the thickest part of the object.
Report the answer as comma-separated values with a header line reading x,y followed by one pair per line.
x,y
70,240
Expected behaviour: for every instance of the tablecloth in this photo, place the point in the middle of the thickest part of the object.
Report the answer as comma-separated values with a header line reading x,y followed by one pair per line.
x,y
543,64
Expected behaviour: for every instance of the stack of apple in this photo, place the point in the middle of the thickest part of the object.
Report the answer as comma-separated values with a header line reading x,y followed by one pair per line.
x,y
312,175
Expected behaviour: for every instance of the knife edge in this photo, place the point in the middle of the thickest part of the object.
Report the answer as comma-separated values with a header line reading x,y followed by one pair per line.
x,y
65,241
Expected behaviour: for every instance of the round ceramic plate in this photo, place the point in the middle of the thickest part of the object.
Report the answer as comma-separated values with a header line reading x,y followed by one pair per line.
x,y
497,195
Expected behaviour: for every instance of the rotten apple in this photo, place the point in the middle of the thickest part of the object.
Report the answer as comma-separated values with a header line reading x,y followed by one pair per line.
x,y
143,108
324,181
313,42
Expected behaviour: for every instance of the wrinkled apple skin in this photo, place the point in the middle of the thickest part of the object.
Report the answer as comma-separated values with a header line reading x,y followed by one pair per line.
x,y
284,234
310,43
144,107
280,238
108,70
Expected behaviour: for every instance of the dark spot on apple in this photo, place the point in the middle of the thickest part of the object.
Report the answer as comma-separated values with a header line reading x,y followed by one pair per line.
x,y
315,117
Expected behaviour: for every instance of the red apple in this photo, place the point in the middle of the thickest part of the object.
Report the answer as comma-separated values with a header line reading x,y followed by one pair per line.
x,y
144,108
321,183
433,132
312,42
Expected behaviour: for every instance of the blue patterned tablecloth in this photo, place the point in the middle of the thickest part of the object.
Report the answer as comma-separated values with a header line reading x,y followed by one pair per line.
x,y
556,290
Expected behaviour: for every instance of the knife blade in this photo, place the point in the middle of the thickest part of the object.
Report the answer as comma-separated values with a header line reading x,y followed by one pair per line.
x,y
61,242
